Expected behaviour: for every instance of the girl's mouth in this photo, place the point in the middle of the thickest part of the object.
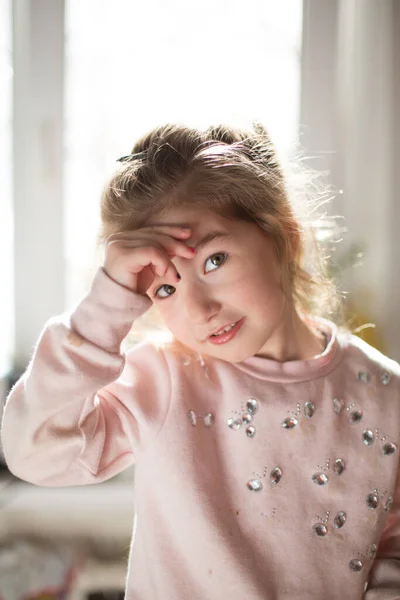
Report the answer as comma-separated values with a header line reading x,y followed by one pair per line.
x,y
227,334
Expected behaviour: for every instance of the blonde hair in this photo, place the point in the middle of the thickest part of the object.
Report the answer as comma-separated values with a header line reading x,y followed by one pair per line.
x,y
236,173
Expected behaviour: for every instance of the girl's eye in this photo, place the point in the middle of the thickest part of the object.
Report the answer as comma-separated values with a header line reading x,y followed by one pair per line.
x,y
216,260
167,289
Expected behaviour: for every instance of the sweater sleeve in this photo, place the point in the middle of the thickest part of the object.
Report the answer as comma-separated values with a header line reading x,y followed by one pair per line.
x,y
384,576
82,410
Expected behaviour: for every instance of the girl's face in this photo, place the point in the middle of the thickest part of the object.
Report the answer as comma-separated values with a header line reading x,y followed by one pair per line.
x,y
233,276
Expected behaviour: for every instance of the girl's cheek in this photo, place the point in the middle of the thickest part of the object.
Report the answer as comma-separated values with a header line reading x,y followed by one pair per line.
x,y
167,310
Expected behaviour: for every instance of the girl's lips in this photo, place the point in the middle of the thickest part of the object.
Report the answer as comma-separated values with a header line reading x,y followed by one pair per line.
x,y
228,335
220,330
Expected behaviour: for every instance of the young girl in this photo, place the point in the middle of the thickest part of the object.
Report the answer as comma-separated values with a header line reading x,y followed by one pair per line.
x,y
264,437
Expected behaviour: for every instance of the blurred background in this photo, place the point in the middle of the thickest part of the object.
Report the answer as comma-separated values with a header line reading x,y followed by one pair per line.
x,y
80,81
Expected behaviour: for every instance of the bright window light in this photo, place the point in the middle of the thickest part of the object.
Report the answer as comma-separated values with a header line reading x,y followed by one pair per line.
x,y
134,65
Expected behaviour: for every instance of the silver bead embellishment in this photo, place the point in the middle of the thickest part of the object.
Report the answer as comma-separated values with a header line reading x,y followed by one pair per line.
x,y
208,420
250,431
372,500
290,423
252,406
364,376
389,503
384,377
355,416
339,466
320,478
254,485
192,417
355,565
340,519
368,437
372,552
320,529
309,409
235,423
338,405
247,418
389,449
276,475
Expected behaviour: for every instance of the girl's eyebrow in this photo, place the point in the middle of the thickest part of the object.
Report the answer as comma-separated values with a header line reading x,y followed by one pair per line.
x,y
209,237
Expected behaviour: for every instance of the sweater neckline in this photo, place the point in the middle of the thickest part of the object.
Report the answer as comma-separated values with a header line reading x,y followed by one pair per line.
x,y
298,370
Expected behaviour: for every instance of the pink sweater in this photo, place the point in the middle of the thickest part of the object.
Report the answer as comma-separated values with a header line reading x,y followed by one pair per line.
x,y
254,480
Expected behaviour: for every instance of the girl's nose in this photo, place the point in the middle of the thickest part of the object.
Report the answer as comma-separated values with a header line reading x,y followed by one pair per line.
x,y
200,306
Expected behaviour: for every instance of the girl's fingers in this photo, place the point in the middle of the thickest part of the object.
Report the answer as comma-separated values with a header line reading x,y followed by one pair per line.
x,y
152,249
161,265
170,245
169,230
175,229
181,249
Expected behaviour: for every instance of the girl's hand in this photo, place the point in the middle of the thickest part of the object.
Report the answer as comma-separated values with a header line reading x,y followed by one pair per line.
x,y
133,259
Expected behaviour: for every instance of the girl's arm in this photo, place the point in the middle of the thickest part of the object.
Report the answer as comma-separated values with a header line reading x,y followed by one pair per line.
x,y
79,411
384,576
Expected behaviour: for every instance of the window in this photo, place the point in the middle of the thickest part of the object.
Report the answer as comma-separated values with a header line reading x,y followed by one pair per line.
x,y
6,214
131,66
128,67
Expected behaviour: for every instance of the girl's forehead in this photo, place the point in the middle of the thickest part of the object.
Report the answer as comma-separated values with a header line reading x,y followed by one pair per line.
x,y
205,224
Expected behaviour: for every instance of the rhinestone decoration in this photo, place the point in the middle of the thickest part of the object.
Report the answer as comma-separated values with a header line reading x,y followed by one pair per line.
x,y
208,419
338,405
250,431
389,449
276,475
254,485
372,552
309,409
339,466
199,357
235,423
192,417
384,377
320,478
363,376
293,420
252,406
272,514
327,465
368,437
320,529
247,418
326,519
340,519
355,565
372,500
244,417
389,503
355,416
290,423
